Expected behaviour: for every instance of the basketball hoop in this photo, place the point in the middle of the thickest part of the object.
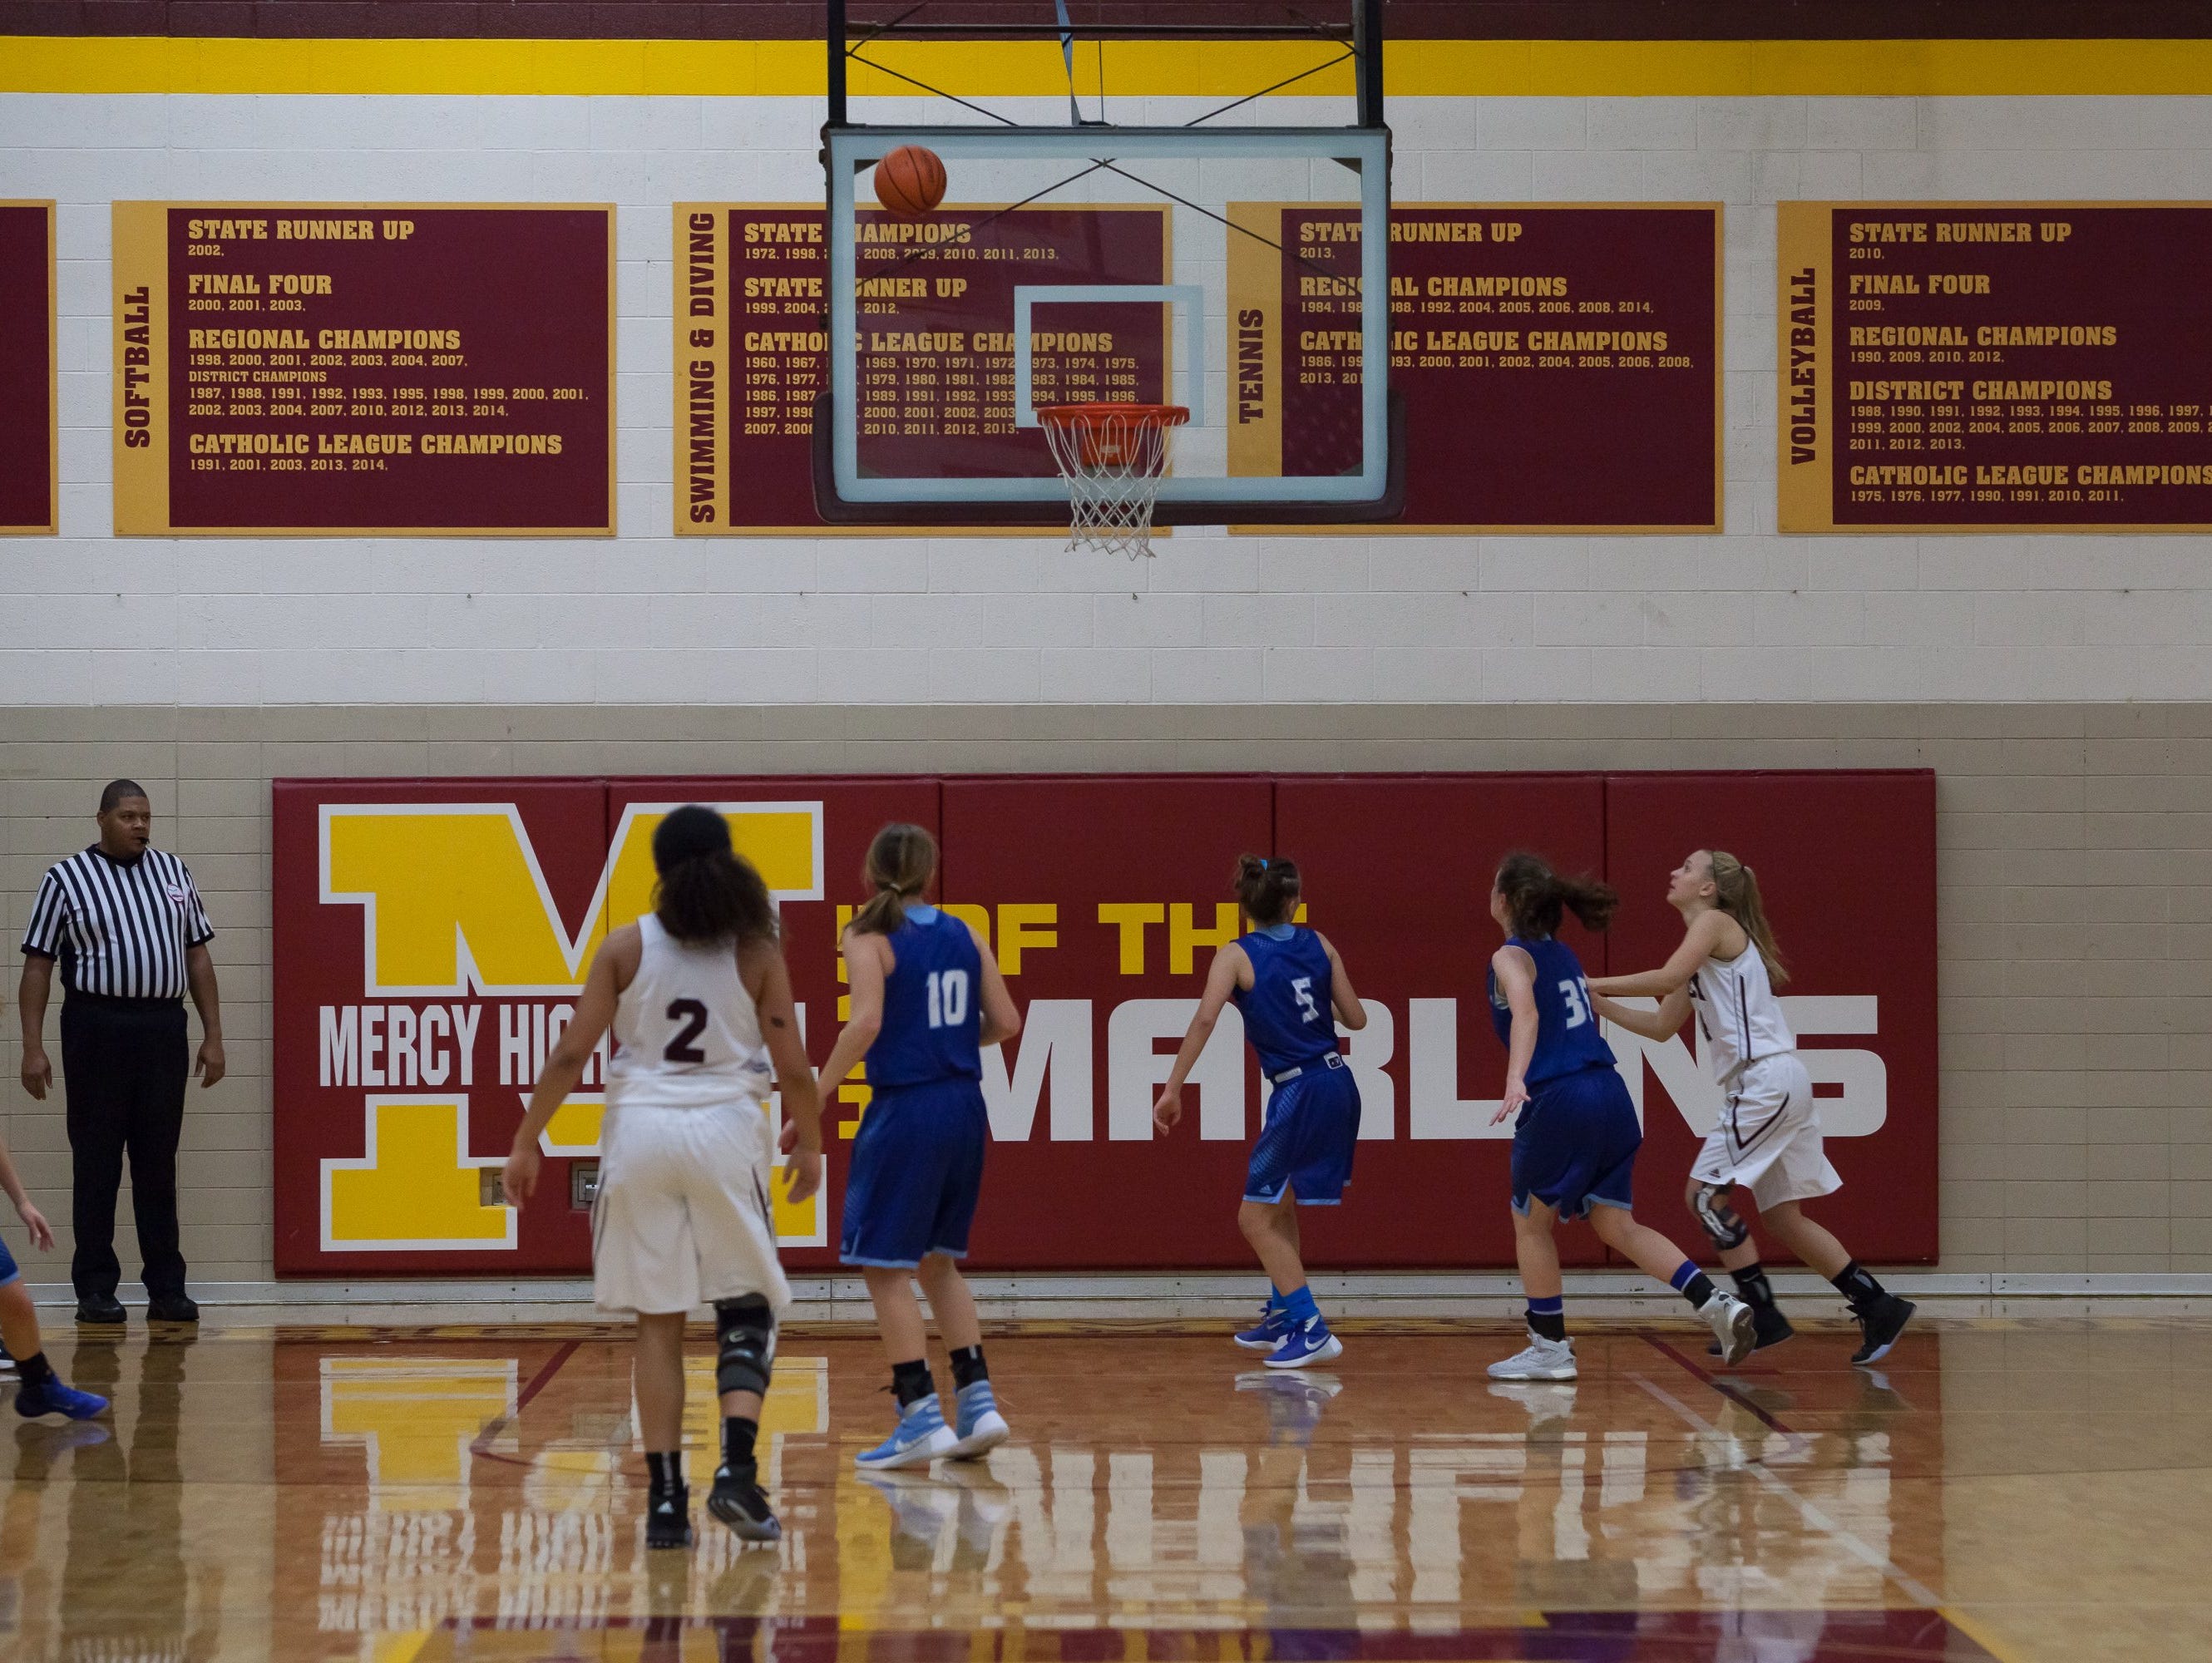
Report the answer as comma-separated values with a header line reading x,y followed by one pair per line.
x,y
1112,457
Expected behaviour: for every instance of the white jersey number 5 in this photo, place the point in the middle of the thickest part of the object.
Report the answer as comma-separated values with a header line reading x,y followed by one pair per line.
x,y
1302,986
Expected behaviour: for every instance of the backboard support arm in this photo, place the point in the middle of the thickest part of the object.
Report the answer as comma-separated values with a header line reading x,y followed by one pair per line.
x,y
1367,47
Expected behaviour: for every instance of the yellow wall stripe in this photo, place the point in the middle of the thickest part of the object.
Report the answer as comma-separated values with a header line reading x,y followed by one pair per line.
x,y
1617,69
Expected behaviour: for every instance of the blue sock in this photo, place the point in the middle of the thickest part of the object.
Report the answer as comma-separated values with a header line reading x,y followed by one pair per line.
x,y
1299,1307
1274,1297
1680,1279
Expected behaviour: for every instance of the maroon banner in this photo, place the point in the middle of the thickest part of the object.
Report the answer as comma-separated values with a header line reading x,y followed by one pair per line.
x,y
342,369
2036,366
28,437
936,355
1560,365
359,1095
430,938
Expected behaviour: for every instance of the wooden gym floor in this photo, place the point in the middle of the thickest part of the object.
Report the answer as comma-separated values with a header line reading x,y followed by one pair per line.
x,y
2028,1491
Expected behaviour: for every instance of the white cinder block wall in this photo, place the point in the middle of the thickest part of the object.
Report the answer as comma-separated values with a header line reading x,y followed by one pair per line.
x,y
1745,615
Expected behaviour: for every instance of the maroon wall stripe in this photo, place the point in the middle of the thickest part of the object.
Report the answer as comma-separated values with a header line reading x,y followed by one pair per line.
x,y
1474,19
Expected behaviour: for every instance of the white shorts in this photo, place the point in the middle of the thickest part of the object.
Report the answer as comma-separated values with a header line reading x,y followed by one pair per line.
x,y
1769,1136
682,1216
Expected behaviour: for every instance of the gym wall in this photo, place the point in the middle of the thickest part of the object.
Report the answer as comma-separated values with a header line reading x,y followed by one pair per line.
x,y
2059,686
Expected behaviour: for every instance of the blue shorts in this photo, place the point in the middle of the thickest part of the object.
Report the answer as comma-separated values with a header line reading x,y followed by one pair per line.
x,y
9,1272
1307,1141
917,1169
1575,1144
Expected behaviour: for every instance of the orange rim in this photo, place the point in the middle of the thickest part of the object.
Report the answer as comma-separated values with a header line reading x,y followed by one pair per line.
x,y
1074,416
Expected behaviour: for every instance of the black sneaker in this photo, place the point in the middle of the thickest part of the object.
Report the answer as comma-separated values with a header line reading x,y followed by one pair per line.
x,y
739,1501
1881,1322
668,1518
171,1308
102,1310
1768,1327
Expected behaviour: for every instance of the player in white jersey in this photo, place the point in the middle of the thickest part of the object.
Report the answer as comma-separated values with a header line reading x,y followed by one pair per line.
x,y
699,1002
1768,1138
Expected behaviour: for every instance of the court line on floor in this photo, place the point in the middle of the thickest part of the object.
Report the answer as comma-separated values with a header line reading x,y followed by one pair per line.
x,y
481,1446
1914,1588
1735,1393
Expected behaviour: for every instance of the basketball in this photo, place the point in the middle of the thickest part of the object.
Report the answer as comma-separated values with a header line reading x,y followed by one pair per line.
x,y
910,182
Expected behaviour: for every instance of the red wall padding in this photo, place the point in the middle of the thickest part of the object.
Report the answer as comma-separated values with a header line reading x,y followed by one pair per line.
x,y
1397,876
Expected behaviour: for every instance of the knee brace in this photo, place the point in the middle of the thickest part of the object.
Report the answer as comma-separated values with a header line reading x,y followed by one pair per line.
x,y
746,1329
1719,1220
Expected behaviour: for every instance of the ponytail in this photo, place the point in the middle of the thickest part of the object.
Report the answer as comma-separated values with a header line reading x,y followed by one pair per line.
x,y
1537,897
901,862
705,893
1267,890
1736,887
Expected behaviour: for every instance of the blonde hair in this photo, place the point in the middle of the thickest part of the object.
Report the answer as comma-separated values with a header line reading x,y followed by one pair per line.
x,y
1736,887
901,862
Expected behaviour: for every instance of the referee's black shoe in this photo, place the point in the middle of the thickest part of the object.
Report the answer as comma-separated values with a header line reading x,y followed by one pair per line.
x,y
102,1310
171,1308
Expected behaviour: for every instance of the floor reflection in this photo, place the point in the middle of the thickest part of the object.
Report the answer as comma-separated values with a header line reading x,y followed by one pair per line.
x,y
480,1495
124,1588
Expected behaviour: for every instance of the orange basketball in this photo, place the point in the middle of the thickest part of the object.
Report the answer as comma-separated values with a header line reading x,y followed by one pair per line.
x,y
910,182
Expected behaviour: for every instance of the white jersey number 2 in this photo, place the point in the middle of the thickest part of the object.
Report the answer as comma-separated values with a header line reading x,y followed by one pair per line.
x,y
1576,995
948,997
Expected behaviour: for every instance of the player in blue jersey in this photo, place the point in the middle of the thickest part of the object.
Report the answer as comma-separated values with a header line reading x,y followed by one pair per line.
x,y
927,997
1574,1146
1287,982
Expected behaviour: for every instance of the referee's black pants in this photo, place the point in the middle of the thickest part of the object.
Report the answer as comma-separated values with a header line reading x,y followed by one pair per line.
x,y
125,1064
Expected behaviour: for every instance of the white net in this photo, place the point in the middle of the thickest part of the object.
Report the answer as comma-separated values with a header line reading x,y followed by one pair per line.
x,y
1113,457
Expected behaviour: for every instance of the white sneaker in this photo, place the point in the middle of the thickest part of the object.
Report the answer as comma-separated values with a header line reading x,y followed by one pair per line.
x,y
1733,1324
1544,1359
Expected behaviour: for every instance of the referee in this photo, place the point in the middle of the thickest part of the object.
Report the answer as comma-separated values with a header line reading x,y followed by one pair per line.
x,y
125,924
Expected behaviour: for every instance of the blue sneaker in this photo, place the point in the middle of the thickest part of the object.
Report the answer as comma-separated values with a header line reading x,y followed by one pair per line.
x,y
55,1399
1274,1323
920,1438
977,1424
1304,1343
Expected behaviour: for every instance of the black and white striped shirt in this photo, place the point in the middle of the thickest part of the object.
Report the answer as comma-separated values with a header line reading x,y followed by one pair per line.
x,y
120,931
